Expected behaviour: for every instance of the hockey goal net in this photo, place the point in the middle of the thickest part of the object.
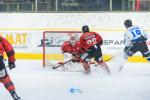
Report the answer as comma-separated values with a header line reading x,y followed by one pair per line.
x,y
52,41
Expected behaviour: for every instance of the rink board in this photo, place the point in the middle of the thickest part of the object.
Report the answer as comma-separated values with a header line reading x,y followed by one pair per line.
x,y
25,30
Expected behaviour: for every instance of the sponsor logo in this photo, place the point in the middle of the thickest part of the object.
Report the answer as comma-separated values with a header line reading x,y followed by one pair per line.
x,y
113,42
52,41
73,90
19,40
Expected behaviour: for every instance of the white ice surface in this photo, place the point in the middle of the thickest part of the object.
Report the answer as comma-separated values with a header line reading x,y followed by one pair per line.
x,y
36,83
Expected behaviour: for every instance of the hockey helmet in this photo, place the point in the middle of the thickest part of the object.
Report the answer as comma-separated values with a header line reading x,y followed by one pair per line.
x,y
85,28
127,23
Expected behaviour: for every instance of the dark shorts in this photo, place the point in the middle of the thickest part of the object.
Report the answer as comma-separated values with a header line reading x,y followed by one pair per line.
x,y
3,72
93,52
140,46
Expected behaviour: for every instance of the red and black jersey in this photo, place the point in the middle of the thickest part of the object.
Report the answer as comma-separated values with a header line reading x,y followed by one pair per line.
x,y
5,46
89,39
74,50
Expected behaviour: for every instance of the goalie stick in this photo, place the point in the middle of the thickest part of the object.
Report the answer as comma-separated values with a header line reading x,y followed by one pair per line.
x,y
66,63
62,64
90,62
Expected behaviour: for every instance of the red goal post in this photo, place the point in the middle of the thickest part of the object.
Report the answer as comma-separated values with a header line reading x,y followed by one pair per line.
x,y
52,41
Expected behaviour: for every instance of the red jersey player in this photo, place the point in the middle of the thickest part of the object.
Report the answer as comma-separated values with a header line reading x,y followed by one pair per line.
x,y
71,48
91,42
5,46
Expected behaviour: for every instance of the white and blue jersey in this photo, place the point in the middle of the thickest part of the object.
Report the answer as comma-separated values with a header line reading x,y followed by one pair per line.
x,y
135,40
133,35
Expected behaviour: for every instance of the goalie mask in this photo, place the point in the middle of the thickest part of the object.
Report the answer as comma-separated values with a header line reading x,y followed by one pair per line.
x,y
72,40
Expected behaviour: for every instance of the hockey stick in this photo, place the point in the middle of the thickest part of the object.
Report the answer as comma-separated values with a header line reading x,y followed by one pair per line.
x,y
113,57
109,58
62,64
90,62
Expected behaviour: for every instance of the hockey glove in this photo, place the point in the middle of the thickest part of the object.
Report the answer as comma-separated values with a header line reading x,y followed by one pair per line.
x,y
126,49
61,63
76,58
11,65
143,38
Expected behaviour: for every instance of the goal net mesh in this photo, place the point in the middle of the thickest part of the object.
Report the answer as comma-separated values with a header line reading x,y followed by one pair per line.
x,y
52,42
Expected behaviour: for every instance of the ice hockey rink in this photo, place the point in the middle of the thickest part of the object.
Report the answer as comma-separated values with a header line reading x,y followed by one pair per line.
x,y
36,83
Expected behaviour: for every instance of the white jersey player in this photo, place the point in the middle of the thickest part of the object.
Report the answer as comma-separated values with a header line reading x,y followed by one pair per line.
x,y
134,40
134,34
